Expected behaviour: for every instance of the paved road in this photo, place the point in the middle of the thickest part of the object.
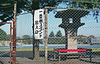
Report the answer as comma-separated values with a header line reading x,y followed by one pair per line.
x,y
41,61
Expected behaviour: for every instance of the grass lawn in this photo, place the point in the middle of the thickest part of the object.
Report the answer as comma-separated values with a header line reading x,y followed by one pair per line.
x,y
49,49
94,49
27,49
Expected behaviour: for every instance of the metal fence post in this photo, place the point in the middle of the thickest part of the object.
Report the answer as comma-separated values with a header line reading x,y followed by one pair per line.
x,y
46,33
10,36
10,41
14,35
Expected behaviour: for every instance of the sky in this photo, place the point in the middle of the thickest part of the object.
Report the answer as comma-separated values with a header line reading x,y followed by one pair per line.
x,y
24,25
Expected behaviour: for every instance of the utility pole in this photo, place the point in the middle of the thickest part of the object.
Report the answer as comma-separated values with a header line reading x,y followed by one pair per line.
x,y
46,34
14,35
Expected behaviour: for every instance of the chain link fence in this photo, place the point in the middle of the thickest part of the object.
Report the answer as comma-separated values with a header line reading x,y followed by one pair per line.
x,y
5,42
73,38
24,40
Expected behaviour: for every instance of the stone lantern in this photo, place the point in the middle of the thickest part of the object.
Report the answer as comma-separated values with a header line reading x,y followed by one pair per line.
x,y
71,27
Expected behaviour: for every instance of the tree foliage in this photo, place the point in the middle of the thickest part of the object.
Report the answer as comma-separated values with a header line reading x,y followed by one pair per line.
x,y
54,40
27,39
3,36
51,34
82,39
59,34
6,6
91,36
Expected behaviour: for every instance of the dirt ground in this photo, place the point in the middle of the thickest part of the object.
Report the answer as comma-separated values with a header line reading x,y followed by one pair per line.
x,y
22,59
95,60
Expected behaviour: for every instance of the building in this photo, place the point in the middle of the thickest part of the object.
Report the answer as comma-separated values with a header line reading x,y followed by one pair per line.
x,y
95,41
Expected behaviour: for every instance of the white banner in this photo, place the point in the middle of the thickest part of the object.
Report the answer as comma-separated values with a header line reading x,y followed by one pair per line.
x,y
39,24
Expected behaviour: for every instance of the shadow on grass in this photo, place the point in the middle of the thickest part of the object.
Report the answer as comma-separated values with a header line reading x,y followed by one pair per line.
x,y
90,61
31,58
1,62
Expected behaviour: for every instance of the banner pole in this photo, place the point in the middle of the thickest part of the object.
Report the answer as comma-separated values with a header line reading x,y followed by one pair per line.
x,y
46,32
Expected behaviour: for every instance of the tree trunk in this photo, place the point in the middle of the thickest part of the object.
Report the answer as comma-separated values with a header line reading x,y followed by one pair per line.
x,y
35,44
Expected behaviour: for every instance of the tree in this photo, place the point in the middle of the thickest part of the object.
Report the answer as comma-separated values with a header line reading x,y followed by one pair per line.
x,y
59,40
27,39
59,34
3,36
37,4
9,37
51,34
6,12
51,40
86,4
18,41
6,8
80,39
39,41
83,39
91,36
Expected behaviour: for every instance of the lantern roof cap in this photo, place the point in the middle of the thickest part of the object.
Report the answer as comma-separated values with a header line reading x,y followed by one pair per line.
x,y
71,13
